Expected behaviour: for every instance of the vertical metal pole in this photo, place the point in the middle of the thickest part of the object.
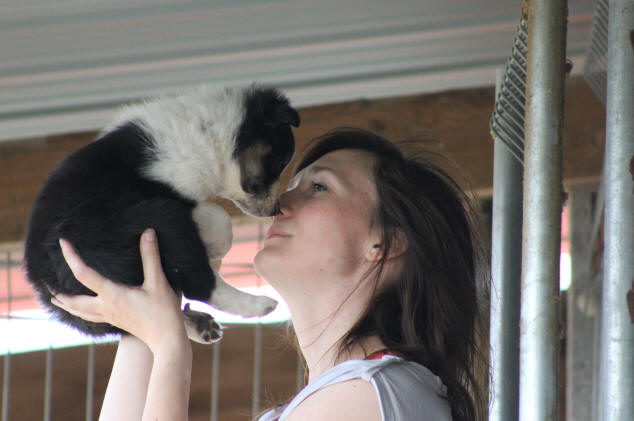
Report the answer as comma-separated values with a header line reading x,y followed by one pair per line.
x,y
543,190
300,373
257,349
581,310
506,265
257,369
597,410
617,329
215,381
90,383
6,376
597,223
48,384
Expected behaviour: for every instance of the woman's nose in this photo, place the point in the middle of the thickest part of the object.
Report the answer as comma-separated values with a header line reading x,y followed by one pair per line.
x,y
284,204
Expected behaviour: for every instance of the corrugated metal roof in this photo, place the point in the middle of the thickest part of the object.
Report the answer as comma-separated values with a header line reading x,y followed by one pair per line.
x,y
66,64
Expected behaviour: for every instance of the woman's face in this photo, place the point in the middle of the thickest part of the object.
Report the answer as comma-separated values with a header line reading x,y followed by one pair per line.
x,y
322,236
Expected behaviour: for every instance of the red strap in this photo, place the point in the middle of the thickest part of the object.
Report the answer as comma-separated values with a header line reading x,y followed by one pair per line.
x,y
379,354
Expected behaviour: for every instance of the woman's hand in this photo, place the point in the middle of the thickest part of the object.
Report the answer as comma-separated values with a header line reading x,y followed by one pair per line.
x,y
147,312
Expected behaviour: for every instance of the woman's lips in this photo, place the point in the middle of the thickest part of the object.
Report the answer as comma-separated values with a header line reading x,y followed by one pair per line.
x,y
274,232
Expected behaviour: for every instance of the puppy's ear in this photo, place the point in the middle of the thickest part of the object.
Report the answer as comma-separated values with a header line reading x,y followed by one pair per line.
x,y
287,115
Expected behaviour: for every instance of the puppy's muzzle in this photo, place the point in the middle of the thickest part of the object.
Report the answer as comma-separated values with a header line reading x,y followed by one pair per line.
x,y
276,210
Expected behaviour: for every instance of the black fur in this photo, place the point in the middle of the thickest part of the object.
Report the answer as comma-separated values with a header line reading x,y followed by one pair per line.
x,y
99,201
268,115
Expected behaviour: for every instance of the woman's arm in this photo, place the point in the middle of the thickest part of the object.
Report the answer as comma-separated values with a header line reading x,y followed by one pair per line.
x,y
168,390
128,384
140,378
150,312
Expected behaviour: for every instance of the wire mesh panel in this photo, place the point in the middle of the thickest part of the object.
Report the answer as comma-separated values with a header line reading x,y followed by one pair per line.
x,y
597,55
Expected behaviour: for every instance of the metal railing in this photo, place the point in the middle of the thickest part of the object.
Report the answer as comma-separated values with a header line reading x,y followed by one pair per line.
x,y
611,396
10,258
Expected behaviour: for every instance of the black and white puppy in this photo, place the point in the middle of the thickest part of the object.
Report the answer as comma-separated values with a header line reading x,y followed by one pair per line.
x,y
158,165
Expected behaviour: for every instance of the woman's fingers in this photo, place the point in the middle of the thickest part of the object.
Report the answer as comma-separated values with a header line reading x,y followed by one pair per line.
x,y
82,306
145,312
151,259
84,274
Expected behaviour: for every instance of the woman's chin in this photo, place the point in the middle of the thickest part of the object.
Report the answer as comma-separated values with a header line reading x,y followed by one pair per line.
x,y
263,263
271,266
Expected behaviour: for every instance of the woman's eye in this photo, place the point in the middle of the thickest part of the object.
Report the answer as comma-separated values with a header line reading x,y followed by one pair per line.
x,y
318,187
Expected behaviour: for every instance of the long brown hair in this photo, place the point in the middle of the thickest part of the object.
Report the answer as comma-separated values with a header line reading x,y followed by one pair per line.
x,y
429,313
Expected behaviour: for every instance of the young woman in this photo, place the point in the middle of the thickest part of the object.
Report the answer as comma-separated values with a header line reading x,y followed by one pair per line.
x,y
376,257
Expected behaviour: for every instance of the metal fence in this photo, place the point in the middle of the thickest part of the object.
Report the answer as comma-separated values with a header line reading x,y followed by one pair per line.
x,y
526,377
15,296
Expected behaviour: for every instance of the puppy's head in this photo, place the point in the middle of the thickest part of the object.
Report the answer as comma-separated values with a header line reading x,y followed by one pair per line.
x,y
264,146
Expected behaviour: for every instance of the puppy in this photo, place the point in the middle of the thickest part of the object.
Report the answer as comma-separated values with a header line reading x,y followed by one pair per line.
x,y
158,165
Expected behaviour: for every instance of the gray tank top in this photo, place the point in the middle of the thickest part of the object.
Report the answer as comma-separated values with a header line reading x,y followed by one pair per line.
x,y
406,390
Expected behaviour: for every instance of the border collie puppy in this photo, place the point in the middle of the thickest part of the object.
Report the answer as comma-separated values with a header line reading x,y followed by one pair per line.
x,y
158,165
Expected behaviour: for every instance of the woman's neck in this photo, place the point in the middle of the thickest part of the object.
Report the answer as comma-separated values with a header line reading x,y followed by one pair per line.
x,y
320,339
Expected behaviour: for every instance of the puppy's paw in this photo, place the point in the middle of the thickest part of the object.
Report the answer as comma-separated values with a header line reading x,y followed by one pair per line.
x,y
259,306
201,327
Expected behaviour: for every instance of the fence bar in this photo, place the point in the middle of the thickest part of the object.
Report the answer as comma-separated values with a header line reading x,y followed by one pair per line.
x,y
596,363
543,190
257,347
582,309
301,373
617,330
5,386
597,280
6,376
215,381
48,379
90,383
506,265
257,369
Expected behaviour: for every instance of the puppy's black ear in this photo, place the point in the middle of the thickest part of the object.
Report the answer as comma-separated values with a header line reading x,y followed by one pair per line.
x,y
288,115
269,107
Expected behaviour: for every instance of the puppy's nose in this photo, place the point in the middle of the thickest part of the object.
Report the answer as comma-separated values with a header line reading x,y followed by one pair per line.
x,y
276,210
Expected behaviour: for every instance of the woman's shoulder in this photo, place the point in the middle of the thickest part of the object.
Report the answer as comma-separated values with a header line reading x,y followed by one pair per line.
x,y
390,388
399,371
409,391
349,400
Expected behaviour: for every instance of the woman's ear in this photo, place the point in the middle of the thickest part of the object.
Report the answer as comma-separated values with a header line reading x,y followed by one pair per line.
x,y
374,253
398,247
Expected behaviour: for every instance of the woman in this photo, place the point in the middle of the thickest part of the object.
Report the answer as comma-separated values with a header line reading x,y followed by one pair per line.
x,y
376,257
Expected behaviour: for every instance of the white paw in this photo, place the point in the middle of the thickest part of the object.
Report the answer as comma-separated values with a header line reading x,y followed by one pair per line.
x,y
259,306
227,298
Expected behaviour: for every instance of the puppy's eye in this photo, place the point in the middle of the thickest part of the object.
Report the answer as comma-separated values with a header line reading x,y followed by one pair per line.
x,y
279,164
318,187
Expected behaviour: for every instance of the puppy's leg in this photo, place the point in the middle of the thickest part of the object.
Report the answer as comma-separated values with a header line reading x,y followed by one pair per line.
x,y
232,300
214,226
